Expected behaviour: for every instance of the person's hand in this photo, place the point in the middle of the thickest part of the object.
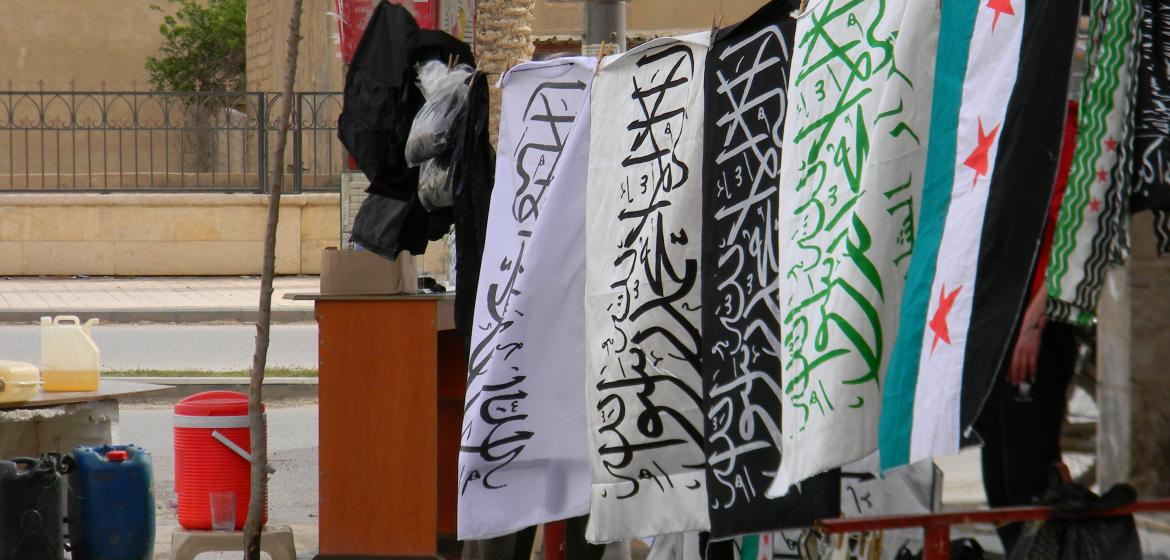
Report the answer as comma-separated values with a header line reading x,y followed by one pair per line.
x,y
1027,349
1025,355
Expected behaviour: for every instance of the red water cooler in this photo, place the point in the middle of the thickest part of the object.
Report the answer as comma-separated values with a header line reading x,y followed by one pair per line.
x,y
211,445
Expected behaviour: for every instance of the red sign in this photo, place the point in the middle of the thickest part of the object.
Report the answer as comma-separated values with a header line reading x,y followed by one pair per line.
x,y
352,20
355,14
426,13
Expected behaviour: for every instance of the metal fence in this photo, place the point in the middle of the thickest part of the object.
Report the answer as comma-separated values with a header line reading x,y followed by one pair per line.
x,y
74,141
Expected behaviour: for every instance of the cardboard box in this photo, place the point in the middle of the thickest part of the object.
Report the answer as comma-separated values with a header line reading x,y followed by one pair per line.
x,y
345,272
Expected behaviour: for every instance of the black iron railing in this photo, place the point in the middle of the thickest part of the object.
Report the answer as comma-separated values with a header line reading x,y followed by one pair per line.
x,y
71,141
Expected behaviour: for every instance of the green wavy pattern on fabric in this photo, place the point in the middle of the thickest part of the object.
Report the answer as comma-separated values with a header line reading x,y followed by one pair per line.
x,y
1108,48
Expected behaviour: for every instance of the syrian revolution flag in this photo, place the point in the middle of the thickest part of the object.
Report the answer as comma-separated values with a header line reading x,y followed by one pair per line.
x,y
996,130
524,455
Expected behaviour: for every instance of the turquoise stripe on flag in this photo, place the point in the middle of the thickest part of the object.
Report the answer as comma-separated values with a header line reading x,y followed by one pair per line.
x,y
954,44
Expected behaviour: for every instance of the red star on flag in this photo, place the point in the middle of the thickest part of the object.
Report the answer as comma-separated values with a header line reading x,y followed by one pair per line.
x,y
1001,7
938,323
1111,144
978,158
1101,175
1095,205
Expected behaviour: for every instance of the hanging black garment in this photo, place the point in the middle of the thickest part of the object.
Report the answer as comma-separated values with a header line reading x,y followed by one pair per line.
x,y
473,172
747,77
380,101
378,97
379,224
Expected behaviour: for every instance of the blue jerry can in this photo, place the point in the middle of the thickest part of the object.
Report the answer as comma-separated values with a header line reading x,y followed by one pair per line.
x,y
111,504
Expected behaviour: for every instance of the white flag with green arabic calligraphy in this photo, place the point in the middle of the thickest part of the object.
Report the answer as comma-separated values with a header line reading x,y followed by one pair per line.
x,y
854,152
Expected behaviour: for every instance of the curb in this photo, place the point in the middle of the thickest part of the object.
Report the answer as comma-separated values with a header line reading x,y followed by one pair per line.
x,y
276,389
162,315
229,381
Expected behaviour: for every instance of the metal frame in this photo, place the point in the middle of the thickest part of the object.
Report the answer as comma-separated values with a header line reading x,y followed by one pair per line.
x,y
937,526
129,141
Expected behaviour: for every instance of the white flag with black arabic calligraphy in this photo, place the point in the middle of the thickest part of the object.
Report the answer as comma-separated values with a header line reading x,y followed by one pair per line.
x,y
642,292
524,455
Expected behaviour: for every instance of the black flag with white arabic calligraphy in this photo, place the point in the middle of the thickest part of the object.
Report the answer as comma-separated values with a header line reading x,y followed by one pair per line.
x,y
747,75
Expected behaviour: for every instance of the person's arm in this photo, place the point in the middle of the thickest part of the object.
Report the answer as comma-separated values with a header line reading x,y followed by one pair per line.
x,y
1027,348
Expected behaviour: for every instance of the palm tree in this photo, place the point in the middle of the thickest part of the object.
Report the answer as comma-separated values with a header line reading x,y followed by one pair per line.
x,y
503,38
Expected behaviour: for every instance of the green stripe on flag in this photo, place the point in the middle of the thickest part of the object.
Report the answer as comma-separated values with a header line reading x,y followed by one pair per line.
x,y
750,547
954,44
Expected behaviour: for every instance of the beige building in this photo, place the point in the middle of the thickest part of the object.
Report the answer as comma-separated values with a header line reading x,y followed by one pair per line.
x,y
91,42
558,24
126,142
84,43
557,28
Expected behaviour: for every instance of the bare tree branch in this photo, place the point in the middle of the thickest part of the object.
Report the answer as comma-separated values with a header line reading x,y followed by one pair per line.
x,y
257,421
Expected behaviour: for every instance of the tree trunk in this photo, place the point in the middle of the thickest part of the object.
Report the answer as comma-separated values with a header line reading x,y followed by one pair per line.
x,y
503,39
258,423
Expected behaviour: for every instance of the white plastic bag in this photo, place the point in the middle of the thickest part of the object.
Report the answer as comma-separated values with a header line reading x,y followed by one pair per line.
x,y
445,90
432,184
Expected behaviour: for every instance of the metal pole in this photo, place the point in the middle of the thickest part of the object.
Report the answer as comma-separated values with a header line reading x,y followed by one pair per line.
x,y
1114,343
554,540
603,20
937,542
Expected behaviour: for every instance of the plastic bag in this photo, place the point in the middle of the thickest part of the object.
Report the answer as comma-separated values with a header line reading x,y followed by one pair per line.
x,y
1081,538
433,191
445,90
961,549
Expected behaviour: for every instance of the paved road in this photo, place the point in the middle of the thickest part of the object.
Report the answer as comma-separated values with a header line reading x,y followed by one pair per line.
x,y
175,347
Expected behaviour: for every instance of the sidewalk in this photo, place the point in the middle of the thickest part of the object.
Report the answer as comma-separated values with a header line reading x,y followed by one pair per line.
x,y
153,299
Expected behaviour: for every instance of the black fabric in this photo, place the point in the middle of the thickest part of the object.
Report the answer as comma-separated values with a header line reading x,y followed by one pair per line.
x,y
1152,126
31,526
1152,131
576,547
379,97
473,171
379,104
378,223
719,550
961,549
513,546
1022,437
1067,535
740,301
1020,192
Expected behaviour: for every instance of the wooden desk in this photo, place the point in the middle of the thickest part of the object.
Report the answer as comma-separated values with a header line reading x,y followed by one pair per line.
x,y
58,422
109,389
392,376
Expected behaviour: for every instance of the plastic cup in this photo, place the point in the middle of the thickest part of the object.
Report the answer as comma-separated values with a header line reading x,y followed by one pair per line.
x,y
223,511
